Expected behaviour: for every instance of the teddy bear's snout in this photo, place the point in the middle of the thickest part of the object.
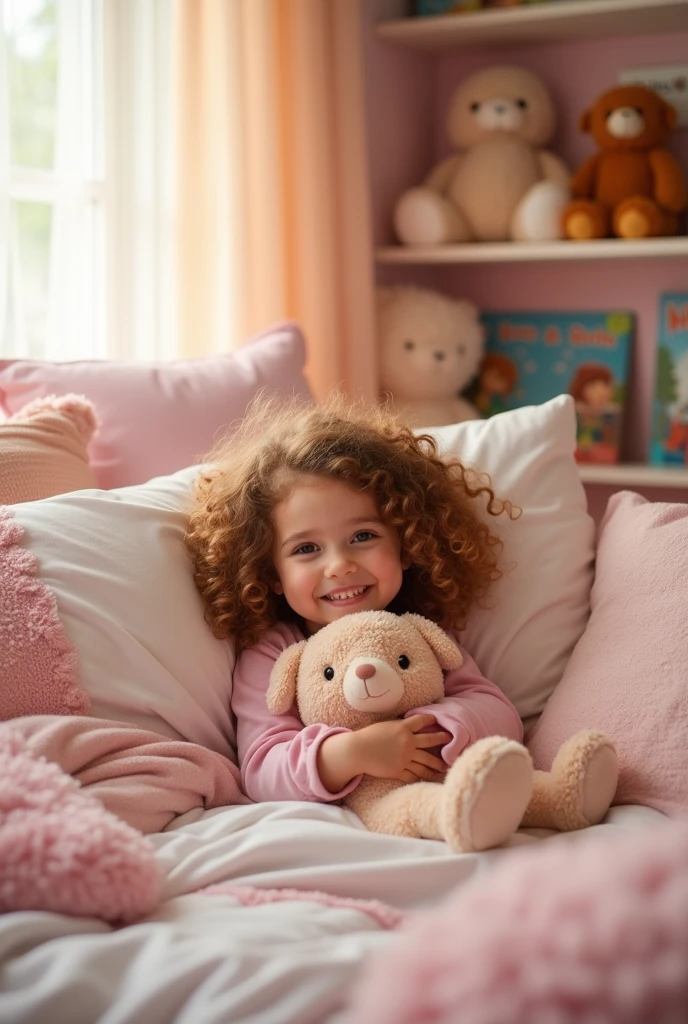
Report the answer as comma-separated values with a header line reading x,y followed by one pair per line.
x,y
371,685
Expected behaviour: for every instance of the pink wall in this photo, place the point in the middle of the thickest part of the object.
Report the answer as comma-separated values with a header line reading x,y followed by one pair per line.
x,y
407,99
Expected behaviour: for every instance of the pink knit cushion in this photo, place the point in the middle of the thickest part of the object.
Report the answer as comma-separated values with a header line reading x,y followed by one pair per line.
x,y
160,417
627,674
43,449
586,930
38,664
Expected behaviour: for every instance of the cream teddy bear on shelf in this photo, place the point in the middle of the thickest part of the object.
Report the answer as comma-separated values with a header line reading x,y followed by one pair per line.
x,y
501,182
429,349
371,666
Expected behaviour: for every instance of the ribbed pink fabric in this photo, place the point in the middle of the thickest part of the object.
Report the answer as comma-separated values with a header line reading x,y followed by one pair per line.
x,y
594,930
38,665
251,896
43,449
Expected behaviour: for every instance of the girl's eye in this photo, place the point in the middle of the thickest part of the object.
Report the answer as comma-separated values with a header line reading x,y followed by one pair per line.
x,y
329,673
364,535
305,549
403,661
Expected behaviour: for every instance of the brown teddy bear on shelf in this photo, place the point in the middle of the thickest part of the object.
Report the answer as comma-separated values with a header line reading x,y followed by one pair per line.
x,y
632,187
372,666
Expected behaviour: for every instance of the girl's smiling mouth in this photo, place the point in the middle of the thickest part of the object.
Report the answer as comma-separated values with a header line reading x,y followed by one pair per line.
x,y
345,596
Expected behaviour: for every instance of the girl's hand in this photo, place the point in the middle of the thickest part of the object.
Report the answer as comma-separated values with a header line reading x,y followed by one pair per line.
x,y
399,750
387,750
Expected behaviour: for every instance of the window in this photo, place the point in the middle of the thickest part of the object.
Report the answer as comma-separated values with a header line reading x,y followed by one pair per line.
x,y
84,169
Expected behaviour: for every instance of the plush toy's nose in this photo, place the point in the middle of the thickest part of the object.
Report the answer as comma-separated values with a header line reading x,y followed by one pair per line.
x,y
439,355
365,671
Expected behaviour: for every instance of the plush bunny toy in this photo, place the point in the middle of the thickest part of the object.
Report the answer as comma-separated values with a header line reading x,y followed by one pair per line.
x,y
371,666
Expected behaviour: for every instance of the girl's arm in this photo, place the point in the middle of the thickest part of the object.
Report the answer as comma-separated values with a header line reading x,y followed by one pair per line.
x,y
278,755
471,709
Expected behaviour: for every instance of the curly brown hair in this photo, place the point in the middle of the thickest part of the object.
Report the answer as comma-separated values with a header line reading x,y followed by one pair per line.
x,y
431,502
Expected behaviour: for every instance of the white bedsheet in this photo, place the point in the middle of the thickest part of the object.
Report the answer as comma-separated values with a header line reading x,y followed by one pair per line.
x,y
206,959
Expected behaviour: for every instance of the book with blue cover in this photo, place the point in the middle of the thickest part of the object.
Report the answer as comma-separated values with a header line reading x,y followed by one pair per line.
x,y
532,357
669,444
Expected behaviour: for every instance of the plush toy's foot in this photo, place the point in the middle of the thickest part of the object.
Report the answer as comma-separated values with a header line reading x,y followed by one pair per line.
x,y
639,217
538,216
485,794
584,219
579,789
424,217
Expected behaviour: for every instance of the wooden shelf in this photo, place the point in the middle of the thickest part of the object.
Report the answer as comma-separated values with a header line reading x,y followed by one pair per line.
x,y
535,252
634,474
540,23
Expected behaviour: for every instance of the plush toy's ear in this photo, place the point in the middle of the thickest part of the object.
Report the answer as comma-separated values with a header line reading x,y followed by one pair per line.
x,y
447,653
585,121
282,688
669,115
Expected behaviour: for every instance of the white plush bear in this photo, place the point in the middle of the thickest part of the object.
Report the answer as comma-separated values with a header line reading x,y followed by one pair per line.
x,y
429,348
500,182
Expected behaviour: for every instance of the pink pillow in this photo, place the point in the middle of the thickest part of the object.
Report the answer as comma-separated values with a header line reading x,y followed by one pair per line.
x,y
160,417
627,674
43,449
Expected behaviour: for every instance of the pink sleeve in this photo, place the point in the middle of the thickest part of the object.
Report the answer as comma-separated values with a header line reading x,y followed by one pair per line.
x,y
277,753
471,709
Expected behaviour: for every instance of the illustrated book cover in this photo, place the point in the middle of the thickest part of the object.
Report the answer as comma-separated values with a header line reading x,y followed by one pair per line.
x,y
669,443
531,357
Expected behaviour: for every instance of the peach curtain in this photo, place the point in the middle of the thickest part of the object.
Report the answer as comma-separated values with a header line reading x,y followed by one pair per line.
x,y
271,181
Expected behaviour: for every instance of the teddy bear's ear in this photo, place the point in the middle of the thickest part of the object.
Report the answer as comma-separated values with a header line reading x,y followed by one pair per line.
x,y
447,653
669,115
585,121
282,688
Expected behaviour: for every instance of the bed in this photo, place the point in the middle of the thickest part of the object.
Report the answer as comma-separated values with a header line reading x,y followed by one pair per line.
x,y
295,912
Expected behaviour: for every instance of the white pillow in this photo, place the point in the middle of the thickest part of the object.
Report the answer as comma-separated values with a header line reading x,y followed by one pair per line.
x,y
123,581
542,606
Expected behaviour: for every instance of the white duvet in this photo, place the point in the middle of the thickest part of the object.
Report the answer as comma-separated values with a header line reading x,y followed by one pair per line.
x,y
208,959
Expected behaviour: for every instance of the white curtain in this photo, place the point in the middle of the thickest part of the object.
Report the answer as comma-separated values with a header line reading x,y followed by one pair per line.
x,y
108,279
139,207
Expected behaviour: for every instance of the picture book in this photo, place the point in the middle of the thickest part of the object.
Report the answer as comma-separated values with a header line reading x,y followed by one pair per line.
x,y
669,443
531,357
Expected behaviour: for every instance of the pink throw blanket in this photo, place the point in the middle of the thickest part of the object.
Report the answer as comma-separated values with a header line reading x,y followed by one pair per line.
x,y
143,778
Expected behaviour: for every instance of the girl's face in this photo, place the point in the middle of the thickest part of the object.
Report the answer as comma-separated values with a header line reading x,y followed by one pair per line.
x,y
332,553
597,392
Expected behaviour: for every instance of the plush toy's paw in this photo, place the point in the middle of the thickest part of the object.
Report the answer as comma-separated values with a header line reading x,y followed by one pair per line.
x,y
424,217
584,219
638,217
538,216
584,775
485,794
61,851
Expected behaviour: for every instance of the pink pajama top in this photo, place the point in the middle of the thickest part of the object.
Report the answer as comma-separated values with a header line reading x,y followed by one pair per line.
x,y
278,754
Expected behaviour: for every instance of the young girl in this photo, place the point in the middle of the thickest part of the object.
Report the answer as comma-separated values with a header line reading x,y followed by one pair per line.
x,y
312,513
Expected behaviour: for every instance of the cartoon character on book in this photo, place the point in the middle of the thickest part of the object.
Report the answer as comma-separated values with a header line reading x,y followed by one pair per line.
x,y
593,389
496,381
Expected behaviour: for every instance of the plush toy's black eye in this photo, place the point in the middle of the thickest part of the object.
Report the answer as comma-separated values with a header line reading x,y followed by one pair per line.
x,y
409,345
403,661
329,673
474,108
522,104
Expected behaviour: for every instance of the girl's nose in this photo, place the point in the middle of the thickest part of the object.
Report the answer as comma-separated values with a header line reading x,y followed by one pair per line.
x,y
340,565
